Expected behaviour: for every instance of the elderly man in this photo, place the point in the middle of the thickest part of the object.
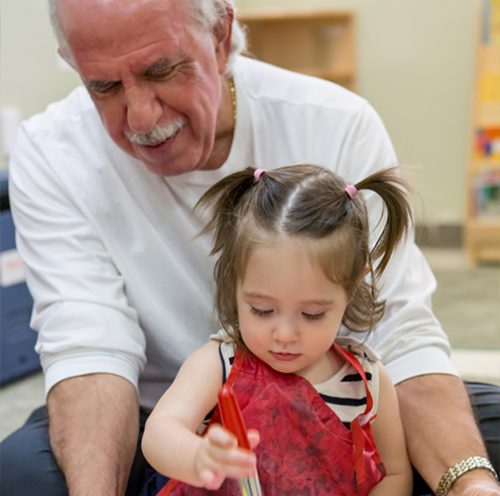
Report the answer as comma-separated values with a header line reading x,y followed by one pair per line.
x,y
102,186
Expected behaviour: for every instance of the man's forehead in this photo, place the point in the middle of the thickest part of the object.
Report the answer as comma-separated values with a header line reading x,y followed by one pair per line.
x,y
105,47
102,6
91,15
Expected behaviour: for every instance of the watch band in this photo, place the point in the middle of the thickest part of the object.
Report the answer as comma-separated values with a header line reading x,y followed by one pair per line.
x,y
461,468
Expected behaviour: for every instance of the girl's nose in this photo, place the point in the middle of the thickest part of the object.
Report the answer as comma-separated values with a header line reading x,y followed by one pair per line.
x,y
285,331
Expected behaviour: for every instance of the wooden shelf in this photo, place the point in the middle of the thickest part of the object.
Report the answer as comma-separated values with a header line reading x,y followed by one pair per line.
x,y
483,164
487,115
271,14
482,232
317,42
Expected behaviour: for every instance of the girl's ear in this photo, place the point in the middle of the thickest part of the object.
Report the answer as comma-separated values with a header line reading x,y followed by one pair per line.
x,y
366,270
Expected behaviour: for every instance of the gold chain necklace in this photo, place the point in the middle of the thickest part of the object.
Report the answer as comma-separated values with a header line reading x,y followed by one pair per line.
x,y
232,90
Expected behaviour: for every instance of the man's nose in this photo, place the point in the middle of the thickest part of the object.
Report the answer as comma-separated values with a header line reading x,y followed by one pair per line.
x,y
144,109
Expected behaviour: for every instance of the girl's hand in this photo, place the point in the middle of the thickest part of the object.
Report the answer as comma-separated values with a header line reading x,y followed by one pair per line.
x,y
219,457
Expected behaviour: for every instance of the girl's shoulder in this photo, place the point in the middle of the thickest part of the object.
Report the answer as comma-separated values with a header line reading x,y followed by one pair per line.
x,y
362,351
369,362
227,349
222,336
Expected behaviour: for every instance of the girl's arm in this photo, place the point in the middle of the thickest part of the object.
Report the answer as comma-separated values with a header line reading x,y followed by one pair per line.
x,y
170,443
389,437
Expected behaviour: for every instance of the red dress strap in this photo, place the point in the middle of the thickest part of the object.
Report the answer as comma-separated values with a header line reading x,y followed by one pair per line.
x,y
360,426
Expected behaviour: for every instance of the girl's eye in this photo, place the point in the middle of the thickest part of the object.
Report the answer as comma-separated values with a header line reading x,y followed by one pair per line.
x,y
259,312
313,316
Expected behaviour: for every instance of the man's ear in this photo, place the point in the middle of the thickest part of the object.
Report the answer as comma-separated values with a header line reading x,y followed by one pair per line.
x,y
222,33
66,57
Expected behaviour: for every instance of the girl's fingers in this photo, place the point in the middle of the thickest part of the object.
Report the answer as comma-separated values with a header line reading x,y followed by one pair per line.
x,y
233,458
253,437
210,480
207,478
225,459
218,436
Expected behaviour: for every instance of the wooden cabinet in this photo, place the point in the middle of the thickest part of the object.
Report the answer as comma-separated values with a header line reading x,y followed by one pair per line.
x,y
318,42
482,226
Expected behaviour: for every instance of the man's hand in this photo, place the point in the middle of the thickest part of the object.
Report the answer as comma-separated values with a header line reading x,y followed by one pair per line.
x,y
218,457
476,483
94,426
441,430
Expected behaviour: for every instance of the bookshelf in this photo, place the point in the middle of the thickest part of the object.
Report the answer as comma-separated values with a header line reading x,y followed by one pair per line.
x,y
318,42
482,225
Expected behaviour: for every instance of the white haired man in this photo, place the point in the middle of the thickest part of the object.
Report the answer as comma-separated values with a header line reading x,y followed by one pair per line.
x,y
102,187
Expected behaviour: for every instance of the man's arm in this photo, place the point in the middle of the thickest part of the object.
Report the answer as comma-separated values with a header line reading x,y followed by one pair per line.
x,y
441,431
93,426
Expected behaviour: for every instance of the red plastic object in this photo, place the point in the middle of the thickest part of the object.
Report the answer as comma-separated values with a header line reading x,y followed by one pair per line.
x,y
231,416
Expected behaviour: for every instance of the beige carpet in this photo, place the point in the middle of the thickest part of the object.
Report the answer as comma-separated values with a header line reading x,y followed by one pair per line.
x,y
467,303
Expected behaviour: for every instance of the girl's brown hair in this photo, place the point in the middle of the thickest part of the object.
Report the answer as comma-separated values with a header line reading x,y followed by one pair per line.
x,y
311,203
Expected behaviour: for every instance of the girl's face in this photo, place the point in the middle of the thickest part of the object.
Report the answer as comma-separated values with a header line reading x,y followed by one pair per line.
x,y
289,311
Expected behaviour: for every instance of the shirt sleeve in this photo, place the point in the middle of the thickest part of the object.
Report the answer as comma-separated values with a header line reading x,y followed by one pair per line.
x,y
84,322
409,338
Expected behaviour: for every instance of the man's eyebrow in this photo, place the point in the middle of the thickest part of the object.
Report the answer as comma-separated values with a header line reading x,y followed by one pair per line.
x,y
99,84
159,67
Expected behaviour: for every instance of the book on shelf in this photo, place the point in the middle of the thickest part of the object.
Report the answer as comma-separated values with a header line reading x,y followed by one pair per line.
x,y
488,143
487,192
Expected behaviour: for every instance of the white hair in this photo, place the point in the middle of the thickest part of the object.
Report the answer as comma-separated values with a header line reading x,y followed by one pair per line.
x,y
205,12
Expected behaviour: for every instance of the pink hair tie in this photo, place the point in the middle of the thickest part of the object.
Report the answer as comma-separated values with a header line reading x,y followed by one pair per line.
x,y
351,191
258,173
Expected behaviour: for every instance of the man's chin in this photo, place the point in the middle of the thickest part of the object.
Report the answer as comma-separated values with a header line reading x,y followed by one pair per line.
x,y
167,169
156,161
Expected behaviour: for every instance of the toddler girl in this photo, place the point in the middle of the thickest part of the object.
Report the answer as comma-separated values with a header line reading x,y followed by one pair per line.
x,y
294,265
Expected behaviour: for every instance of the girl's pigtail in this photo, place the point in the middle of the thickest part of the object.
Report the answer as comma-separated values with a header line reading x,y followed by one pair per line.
x,y
227,202
222,200
393,190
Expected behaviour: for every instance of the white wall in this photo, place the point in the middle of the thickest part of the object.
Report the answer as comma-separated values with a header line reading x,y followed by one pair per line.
x,y
31,75
415,65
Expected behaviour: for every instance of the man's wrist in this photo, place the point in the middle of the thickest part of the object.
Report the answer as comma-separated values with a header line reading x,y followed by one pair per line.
x,y
479,479
461,474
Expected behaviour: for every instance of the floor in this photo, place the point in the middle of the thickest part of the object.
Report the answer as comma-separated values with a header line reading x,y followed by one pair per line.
x,y
467,303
